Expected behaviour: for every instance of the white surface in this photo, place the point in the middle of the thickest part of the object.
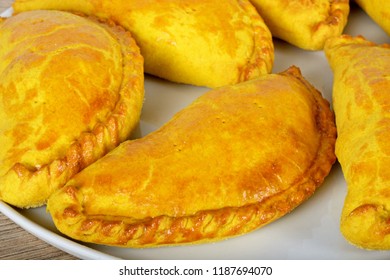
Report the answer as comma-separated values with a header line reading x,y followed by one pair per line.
x,y
310,232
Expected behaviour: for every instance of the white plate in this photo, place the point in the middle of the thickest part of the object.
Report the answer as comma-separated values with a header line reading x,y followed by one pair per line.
x,y
310,232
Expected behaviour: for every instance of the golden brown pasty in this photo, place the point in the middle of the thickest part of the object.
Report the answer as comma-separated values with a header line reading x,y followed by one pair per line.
x,y
378,10
205,43
304,23
236,159
361,102
71,89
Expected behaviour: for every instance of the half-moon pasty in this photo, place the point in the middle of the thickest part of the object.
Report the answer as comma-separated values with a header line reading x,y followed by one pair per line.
x,y
71,89
236,159
361,103
204,43
303,23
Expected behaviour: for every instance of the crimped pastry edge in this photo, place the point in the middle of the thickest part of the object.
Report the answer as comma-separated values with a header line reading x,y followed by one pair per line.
x,y
259,60
313,35
228,222
91,145
334,24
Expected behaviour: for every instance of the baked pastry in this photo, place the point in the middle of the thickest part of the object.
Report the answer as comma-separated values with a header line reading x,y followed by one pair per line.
x,y
234,160
205,43
71,90
378,10
361,104
305,24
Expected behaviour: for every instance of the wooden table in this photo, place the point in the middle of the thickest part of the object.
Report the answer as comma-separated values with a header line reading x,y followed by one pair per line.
x,y
16,243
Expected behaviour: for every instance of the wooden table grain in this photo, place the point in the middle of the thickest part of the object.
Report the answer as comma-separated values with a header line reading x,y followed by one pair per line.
x,y
15,242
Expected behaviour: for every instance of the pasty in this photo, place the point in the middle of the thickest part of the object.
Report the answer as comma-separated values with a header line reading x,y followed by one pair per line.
x,y
71,89
238,158
378,10
205,43
361,103
304,23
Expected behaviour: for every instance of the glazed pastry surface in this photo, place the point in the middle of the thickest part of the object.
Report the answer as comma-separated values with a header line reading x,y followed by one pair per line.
x,y
71,90
204,43
378,10
234,160
304,23
361,103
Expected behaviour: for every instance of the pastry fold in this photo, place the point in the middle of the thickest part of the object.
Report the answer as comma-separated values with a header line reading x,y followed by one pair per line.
x,y
204,43
71,90
378,10
236,159
305,24
361,103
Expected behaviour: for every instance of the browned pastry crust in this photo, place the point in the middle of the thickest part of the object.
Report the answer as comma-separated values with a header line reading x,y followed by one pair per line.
x,y
361,103
306,24
199,42
59,122
235,160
